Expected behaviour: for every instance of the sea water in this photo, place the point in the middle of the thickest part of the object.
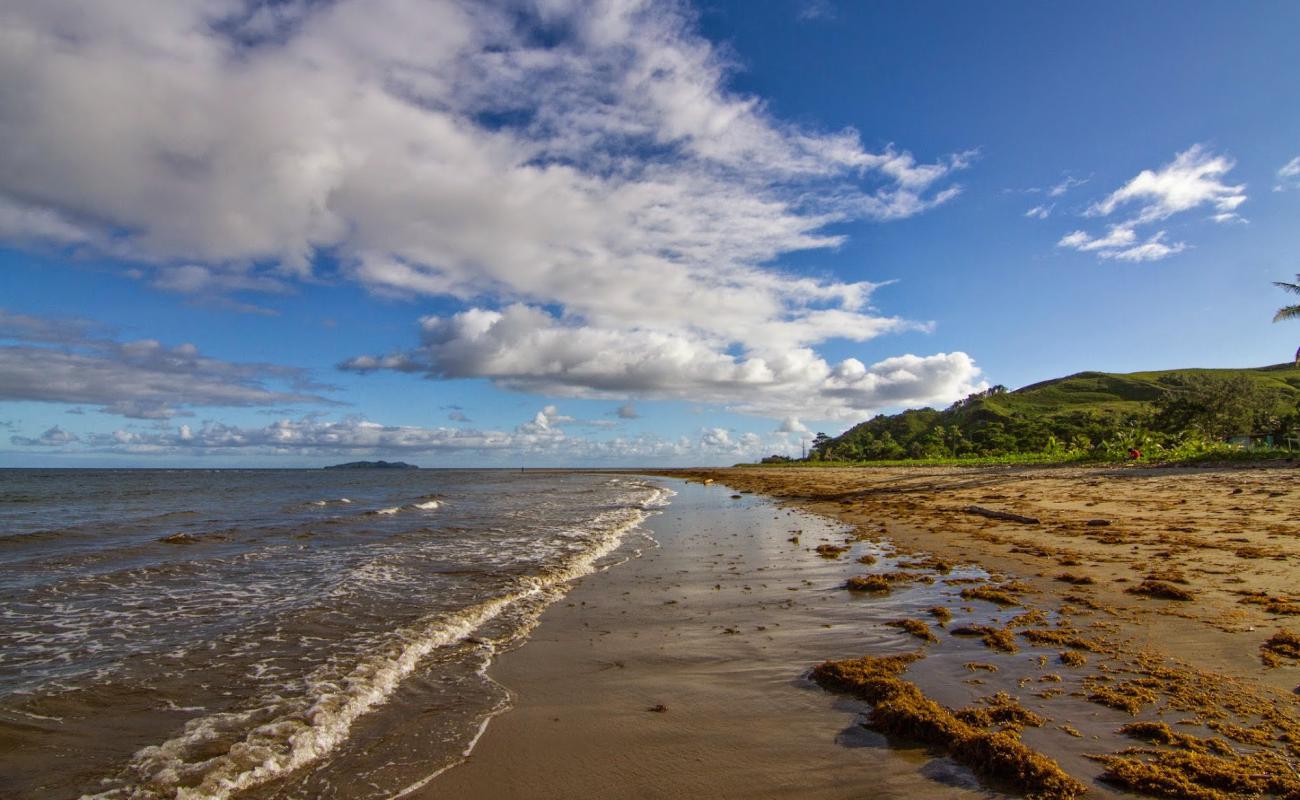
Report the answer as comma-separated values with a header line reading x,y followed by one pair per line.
x,y
275,633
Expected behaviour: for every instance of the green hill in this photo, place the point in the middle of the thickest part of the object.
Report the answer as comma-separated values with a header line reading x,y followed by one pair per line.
x,y
1081,412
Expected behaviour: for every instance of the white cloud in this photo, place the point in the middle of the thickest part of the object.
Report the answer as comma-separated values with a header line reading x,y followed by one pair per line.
x,y
1288,175
627,411
54,437
1066,185
541,438
1040,211
433,146
1193,179
793,425
73,361
526,349
1120,243
437,147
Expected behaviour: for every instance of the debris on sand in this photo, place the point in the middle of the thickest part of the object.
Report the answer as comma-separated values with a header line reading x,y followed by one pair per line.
x,y
1199,776
1128,696
940,613
901,709
1002,515
975,666
1077,580
831,550
916,627
1061,638
1002,710
994,638
1280,645
867,583
991,594
867,559
1072,658
1160,589
1161,733
659,708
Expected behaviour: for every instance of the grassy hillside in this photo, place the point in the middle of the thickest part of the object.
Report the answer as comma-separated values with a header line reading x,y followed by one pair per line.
x,y
1079,412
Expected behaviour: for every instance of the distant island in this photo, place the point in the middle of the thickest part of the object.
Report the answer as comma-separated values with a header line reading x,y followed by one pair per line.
x,y
373,465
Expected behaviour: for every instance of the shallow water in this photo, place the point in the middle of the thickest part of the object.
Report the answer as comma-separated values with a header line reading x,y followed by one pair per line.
x,y
295,633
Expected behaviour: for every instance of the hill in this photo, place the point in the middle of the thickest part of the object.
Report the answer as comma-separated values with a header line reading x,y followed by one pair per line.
x,y
373,465
1080,412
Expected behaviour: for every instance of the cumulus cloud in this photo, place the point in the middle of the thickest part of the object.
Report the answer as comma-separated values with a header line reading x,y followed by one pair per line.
x,y
542,438
54,437
431,146
523,348
73,361
586,158
1040,211
1194,179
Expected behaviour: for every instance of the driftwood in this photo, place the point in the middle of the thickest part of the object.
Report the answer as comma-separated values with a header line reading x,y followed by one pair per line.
x,y
1004,515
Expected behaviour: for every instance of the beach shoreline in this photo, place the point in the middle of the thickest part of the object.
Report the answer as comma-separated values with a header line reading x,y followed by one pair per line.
x,y
1213,531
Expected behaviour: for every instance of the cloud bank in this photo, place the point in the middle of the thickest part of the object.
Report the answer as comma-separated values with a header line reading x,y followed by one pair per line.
x,y
74,361
584,158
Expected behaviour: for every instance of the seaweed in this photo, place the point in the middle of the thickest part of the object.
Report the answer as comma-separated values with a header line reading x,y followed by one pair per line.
x,y
994,638
1160,589
1279,646
901,709
916,627
990,594
831,550
940,613
867,583
1072,658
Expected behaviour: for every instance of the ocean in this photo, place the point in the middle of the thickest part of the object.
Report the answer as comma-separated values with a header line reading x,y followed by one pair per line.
x,y
276,633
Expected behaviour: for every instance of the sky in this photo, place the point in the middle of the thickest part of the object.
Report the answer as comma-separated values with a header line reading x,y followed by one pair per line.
x,y
628,232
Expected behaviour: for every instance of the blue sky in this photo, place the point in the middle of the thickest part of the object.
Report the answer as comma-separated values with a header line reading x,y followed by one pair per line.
x,y
248,234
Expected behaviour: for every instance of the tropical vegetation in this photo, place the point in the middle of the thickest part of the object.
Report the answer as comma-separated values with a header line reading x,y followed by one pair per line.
x,y
1176,414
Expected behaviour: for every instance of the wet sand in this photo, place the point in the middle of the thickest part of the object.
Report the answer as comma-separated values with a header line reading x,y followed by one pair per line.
x,y
718,624
721,623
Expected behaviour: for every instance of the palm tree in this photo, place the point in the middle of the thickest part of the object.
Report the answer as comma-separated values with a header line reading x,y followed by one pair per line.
x,y
1289,312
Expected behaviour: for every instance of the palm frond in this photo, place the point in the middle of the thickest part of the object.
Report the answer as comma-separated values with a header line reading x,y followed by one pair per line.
x,y
1293,288
1287,312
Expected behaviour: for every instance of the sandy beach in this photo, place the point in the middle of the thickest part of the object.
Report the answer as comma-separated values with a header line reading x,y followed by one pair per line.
x,y
685,672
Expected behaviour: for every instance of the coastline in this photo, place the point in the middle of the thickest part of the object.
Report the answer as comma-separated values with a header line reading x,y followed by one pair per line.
x,y
718,621
741,717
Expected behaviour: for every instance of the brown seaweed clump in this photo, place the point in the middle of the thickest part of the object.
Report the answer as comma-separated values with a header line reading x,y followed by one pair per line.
x,y
1200,776
916,627
940,613
867,559
1002,710
1077,580
867,583
901,709
1273,604
831,550
1128,696
1280,645
1072,658
1056,636
1161,733
1160,589
991,594
994,638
